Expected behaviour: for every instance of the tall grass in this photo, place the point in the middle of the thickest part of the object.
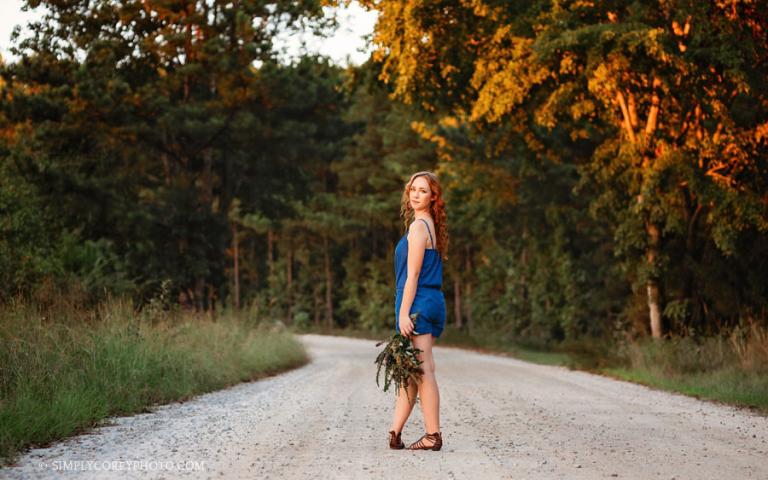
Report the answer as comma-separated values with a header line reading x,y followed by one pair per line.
x,y
64,369
731,368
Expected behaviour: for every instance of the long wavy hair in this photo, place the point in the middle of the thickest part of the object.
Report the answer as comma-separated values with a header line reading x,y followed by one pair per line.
x,y
437,209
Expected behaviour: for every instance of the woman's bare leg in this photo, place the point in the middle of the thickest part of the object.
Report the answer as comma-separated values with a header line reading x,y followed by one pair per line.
x,y
404,406
428,390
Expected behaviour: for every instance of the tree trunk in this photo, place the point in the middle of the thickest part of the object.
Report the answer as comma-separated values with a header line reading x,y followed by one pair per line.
x,y
468,290
629,122
236,265
328,284
652,285
199,294
270,266
270,252
166,163
695,301
289,285
468,307
457,301
191,298
524,266
211,301
254,271
317,304
654,303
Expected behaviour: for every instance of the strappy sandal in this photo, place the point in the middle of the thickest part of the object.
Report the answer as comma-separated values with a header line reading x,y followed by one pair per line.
x,y
395,442
419,444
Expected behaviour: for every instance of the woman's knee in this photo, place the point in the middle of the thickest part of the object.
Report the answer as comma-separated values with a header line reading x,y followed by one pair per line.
x,y
424,343
428,365
429,371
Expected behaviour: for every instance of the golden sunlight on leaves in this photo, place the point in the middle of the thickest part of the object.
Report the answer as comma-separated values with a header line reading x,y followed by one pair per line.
x,y
504,77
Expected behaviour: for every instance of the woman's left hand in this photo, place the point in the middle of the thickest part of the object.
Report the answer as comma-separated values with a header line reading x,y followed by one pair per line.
x,y
406,325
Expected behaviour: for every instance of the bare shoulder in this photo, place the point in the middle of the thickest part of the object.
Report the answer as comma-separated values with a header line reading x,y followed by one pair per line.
x,y
419,228
419,224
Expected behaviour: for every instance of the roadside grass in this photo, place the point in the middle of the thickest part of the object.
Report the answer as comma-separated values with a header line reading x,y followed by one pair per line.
x,y
64,370
732,368
729,386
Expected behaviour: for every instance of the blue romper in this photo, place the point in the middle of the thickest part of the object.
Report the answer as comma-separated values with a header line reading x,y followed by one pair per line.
x,y
429,300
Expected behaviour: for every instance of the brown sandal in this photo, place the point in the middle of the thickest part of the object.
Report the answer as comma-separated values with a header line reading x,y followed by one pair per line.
x,y
395,442
419,444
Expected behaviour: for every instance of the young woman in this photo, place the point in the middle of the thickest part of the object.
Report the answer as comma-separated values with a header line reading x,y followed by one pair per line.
x,y
419,277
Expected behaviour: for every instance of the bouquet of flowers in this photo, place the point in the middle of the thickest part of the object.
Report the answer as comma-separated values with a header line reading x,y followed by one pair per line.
x,y
399,360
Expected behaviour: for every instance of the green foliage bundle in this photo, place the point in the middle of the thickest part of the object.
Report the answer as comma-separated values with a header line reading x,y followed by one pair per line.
x,y
400,361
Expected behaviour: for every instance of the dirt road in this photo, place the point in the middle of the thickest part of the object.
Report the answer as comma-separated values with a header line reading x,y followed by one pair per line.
x,y
500,418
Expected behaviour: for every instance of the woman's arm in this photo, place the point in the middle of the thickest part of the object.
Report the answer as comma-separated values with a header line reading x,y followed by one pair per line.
x,y
417,242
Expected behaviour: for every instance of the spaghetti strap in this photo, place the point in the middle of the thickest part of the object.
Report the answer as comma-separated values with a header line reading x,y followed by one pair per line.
x,y
429,231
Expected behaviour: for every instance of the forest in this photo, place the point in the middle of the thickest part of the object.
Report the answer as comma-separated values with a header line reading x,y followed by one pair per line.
x,y
604,163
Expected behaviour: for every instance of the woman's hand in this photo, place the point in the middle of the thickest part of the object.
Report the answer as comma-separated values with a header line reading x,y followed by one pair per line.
x,y
406,325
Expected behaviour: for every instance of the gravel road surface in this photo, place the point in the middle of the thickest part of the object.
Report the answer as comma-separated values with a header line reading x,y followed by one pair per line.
x,y
500,418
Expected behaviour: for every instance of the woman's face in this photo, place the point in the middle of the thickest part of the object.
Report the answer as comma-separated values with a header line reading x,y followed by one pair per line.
x,y
420,195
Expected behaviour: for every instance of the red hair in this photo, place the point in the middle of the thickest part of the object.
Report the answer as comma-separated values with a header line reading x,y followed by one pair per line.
x,y
436,208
